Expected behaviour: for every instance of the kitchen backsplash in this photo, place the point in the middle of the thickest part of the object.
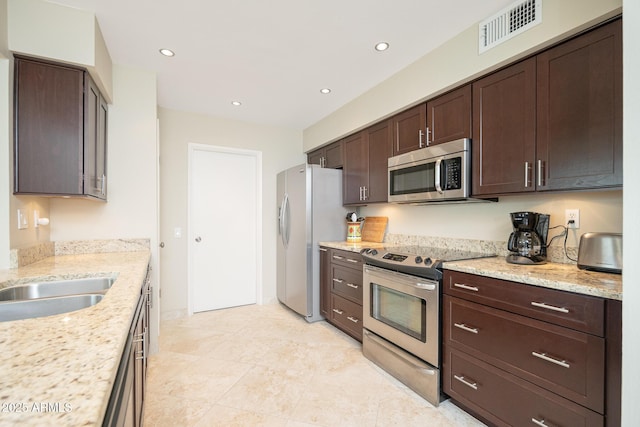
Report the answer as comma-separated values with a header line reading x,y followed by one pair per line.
x,y
554,253
25,256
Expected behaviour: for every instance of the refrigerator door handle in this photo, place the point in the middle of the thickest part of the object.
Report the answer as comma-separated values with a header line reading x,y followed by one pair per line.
x,y
285,222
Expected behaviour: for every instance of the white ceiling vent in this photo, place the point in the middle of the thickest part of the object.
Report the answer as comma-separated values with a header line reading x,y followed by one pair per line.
x,y
509,22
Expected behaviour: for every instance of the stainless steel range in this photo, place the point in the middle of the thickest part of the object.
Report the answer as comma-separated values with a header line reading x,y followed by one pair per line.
x,y
401,304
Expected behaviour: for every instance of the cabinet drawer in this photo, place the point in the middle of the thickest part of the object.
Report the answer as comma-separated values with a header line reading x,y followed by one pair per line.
x,y
562,360
346,258
347,315
506,400
347,282
580,312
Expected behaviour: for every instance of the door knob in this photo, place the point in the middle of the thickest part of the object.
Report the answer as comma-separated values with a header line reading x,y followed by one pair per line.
x,y
198,239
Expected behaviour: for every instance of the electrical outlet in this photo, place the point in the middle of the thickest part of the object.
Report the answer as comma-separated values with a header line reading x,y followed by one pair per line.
x,y
572,215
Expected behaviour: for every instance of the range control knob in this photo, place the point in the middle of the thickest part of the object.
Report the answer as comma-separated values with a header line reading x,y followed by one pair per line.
x,y
418,259
427,261
373,252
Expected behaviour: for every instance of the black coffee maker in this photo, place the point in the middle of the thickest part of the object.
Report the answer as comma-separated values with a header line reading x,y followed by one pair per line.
x,y
528,241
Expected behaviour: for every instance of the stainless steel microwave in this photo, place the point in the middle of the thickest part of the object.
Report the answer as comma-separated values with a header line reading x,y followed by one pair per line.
x,y
438,173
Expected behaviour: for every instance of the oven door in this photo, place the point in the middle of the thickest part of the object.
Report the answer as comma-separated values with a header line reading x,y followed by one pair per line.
x,y
403,309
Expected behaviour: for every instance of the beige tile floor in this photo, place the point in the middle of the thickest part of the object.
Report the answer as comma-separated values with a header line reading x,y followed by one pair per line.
x,y
263,365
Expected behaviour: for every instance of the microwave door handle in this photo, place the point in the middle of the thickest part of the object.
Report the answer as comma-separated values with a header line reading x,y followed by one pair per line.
x,y
437,175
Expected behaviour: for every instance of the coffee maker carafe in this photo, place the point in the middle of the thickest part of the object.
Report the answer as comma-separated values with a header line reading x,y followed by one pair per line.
x,y
528,241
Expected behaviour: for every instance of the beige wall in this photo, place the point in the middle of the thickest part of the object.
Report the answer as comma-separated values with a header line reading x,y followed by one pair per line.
x,y
631,278
599,211
280,147
453,63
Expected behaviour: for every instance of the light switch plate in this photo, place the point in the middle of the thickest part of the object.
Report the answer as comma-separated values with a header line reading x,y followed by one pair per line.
x,y
23,221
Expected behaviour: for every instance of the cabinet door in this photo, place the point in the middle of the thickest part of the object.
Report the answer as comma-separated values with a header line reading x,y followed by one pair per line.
x,y
579,141
333,156
325,282
409,130
379,140
48,128
504,130
449,116
316,157
356,169
95,139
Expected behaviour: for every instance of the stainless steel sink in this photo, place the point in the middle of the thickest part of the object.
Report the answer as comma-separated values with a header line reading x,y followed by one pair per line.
x,y
28,309
29,291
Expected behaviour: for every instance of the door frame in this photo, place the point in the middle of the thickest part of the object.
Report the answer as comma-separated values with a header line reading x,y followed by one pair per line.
x,y
193,149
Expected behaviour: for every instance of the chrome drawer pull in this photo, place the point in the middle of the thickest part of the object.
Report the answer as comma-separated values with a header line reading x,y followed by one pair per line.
x,y
355,261
337,257
549,307
467,287
335,310
465,328
351,285
337,280
353,319
544,356
539,423
465,382
322,249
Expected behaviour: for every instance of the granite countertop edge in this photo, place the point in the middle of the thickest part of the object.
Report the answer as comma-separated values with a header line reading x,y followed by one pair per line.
x,y
60,369
564,277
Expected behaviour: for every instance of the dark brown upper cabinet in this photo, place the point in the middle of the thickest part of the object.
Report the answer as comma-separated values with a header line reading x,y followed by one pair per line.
x,y
449,116
579,116
330,156
554,121
504,130
409,129
60,131
365,167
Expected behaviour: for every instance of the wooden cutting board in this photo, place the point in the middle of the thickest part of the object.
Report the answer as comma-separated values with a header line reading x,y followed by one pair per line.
x,y
373,228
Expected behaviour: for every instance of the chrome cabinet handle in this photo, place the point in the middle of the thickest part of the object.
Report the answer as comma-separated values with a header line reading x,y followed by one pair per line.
x,y
323,249
465,328
335,310
337,280
360,194
351,285
549,307
429,132
420,135
364,193
352,260
526,174
544,356
539,422
353,319
540,173
337,257
466,287
463,380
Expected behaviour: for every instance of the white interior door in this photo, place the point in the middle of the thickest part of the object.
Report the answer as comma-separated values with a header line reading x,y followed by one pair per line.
x,y
224,228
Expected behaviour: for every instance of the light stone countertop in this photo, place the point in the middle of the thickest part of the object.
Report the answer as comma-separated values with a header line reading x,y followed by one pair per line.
x,y
564,277
59,370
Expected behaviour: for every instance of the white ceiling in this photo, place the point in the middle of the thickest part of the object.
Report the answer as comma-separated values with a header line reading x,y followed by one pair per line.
x,y
275,55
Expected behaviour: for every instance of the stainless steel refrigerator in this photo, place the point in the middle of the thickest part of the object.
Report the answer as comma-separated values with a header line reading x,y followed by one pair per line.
x,y
309,211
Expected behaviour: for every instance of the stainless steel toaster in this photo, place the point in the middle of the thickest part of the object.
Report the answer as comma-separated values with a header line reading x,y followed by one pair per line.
x,y
600,252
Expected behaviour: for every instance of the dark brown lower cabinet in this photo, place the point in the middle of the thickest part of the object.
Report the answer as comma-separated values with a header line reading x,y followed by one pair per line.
x,y
341,290
526,356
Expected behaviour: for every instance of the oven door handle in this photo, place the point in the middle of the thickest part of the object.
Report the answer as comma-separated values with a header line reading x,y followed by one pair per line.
x,y
427,286
411,360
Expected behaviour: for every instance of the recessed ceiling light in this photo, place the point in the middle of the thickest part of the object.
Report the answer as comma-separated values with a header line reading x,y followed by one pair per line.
x,y
167,52
236,103
382,46
326,90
